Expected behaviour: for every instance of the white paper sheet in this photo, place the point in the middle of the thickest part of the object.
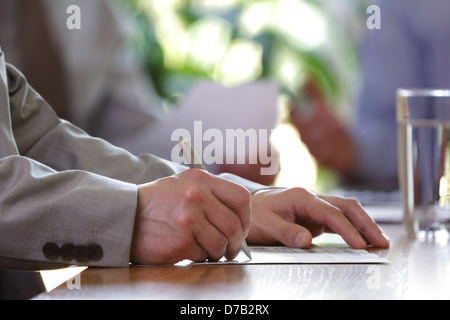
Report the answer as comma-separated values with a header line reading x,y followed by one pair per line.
x,y
249,106
313,255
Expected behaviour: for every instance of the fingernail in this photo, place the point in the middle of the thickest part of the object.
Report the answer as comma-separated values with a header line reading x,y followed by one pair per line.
x,y
303,240
386,238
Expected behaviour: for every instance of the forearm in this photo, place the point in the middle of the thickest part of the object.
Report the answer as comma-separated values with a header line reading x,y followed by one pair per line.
x,y
40,135
65,187
39,205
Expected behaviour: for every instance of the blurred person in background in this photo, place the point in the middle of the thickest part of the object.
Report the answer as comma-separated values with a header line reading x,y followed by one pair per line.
x,y
92,78
411,49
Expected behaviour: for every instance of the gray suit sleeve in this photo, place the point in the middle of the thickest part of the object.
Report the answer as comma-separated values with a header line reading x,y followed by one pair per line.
x,y
39,206
62,187
57,201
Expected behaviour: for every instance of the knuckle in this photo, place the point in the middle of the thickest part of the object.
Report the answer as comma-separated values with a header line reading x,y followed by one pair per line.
x,y
191,195
235,226
354,207
184,219
301,192
243,197
196,174
220,245
353,204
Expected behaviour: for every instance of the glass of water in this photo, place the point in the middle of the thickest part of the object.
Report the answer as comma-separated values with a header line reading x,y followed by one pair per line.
x,y
423,118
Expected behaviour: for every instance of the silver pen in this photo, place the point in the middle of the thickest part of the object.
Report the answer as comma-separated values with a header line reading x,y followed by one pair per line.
x,y
194,161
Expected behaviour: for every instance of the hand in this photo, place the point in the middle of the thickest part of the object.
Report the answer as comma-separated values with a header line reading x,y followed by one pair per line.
x,y
192,215
326,137
294,216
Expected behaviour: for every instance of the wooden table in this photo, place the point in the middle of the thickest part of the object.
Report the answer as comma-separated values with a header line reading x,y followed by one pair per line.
x,y
417,270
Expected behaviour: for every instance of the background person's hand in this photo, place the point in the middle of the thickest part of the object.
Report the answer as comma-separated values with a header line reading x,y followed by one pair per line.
x,y
327,138
294,216
193,215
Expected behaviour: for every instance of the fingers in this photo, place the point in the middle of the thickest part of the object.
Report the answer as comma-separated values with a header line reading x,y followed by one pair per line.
x,y
314,213
192,215
205,241
224,219
289,234
197,239
322,212
354,212
218,231
229,226
234,197
347,218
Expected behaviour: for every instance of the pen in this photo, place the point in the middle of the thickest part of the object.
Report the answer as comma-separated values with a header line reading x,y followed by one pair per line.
x,y
194,161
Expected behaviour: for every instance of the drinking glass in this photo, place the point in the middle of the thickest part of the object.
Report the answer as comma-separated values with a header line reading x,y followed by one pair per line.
x,y
423,124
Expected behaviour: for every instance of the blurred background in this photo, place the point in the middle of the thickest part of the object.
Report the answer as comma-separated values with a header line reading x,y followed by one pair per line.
x,y
128,54
233,42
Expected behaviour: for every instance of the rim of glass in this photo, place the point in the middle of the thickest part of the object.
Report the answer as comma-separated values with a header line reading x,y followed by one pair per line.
x,y
423,92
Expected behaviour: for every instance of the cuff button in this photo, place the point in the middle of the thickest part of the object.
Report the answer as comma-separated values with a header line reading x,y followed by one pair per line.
x,y
95,252
80,253
66,251
50,250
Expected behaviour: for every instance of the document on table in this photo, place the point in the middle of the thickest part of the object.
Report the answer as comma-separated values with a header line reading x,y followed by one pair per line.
x,y
312,255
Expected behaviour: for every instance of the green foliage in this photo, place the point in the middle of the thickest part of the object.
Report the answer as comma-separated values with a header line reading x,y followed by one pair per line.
x,y
278,50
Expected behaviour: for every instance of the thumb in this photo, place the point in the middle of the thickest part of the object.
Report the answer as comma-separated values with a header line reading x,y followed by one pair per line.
x,y
291,234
